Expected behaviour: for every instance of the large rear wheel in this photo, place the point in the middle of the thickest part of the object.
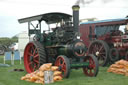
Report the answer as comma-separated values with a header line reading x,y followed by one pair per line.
x,y
34,56
93,68
64,65
100,49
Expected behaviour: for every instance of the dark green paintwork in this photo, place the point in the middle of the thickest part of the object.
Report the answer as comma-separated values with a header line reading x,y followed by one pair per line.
x,y
82,64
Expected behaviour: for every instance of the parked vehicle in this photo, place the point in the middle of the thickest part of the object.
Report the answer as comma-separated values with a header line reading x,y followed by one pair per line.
x,y
105,40
3,48
61,45
14,46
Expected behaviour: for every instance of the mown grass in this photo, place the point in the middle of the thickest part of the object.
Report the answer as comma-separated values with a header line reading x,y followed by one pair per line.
x,y
9,77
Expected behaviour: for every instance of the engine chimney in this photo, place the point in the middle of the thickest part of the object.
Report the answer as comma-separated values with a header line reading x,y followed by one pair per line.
x,y
75,9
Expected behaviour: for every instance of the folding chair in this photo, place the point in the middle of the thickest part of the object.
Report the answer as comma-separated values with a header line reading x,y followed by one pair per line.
x,y
16,56
8,56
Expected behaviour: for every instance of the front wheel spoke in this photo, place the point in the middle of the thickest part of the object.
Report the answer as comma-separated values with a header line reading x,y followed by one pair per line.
x,y
92,66
59,60
63,68
90,61
90,72
63,63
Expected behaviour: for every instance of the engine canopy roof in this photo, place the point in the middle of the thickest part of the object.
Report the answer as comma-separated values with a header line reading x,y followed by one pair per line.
x,y
49,18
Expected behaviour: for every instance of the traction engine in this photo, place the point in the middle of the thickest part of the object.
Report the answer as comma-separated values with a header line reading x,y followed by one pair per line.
x,y
112,45
60,45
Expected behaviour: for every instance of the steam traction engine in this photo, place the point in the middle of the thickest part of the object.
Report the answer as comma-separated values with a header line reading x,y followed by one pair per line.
x,y
105,39
61,45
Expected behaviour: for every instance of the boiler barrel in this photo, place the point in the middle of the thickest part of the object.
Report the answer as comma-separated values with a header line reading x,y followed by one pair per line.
x,y
76,49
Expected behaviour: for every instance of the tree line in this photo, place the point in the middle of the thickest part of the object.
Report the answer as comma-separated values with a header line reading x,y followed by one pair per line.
x,y
8,41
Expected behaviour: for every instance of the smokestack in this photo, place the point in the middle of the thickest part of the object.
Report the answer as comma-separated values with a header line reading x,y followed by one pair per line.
x,y
75,9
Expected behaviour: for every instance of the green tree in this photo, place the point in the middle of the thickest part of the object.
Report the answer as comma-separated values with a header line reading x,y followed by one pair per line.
x,y
8,41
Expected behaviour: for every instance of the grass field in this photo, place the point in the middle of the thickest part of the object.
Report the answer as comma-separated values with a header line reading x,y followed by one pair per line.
x,y
9,77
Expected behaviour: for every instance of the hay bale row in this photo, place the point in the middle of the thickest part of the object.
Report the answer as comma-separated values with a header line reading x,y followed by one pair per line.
x,y
120,67
38,75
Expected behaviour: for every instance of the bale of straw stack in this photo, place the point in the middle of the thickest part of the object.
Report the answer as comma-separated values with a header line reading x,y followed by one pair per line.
x,y
38,75
120,67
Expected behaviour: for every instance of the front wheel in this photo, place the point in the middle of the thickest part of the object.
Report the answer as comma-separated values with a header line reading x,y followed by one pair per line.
x,y
93,68
64,65
114,54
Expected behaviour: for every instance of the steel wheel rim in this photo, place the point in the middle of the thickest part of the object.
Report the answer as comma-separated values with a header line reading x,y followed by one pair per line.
x,y
90,70
31,58
99,51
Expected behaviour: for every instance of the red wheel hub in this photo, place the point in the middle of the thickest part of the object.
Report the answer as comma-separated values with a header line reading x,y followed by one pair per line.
x,y
31,58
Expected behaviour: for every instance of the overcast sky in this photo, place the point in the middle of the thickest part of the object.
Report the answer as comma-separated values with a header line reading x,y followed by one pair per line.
x,y
12,10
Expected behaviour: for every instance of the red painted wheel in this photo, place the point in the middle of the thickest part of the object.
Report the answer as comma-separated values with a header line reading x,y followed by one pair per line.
x,y
93,68
64,65
34,56
100,49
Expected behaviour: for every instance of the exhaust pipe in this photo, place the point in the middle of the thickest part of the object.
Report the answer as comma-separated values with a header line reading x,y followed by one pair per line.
x,y
75,9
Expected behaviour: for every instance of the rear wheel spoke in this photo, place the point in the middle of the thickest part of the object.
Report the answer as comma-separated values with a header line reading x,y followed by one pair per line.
x,y
30,54
34,68
34,51
30,63
36,56
100,49
36,61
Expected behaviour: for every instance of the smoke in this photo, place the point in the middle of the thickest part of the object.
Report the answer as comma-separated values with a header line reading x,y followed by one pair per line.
x,y
78,2
84,2
106,1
